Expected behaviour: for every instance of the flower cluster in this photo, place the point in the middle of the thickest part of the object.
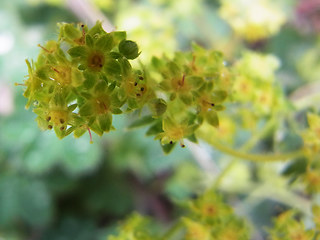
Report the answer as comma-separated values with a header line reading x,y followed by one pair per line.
x,y
259,21
81,80
255,85
210,218
207,218
195,85
286,226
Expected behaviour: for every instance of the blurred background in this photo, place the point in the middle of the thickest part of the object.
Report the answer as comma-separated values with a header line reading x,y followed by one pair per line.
x,y
71,189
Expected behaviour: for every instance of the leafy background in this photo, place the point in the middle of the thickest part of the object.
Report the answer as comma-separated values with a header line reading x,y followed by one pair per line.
x,y
71,189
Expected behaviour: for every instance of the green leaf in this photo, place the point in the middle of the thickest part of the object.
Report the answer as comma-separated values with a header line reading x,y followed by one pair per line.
x,y
129,49
212,118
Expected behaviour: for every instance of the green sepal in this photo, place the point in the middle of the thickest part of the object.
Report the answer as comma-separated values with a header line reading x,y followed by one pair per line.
x,y
60,133
79,132
192,138
186,98
156,62
85,95
219,107
105,121
112,86
155,129
78,51
69,131
89,41
209,86
219,96
90,79
158,107
132,103
77,77
68,30
212,118
141,122
42,123
195,81
115,55
174,69
96,128
42,73
118,36
82,67
125,67
58,100
167,148
96,29
104,43
173,96
72,107
100,87
116,111
112,67
86,110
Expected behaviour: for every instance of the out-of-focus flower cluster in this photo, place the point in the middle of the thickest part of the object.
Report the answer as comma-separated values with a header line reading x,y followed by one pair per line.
x,y
253,20
255,84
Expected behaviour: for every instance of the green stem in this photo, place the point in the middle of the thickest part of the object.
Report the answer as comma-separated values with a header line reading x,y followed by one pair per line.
x,y
172,230
246,147
255,157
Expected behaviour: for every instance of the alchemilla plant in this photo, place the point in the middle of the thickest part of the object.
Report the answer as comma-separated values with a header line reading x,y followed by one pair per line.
x,y
79,82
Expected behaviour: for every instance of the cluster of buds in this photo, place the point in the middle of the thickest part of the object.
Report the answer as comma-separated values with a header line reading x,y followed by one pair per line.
x,y
81,80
